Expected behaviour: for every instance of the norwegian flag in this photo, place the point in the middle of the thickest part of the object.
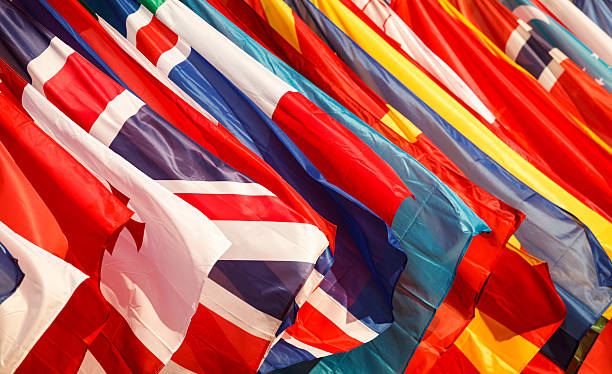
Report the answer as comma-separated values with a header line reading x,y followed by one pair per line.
x,y
275,252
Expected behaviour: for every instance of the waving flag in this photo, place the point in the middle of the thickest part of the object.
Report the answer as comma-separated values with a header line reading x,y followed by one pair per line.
x,y
237,277
482,251
62,206
600,11
574,89
10,274
562,39
582,27
177,71
481,168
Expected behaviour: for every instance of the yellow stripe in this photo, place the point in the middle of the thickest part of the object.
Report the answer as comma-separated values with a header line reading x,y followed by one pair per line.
x,y
608,314
493,348
462,119
401,125
280,17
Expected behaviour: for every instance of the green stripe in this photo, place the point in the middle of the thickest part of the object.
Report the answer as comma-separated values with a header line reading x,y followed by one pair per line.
x,y
152,5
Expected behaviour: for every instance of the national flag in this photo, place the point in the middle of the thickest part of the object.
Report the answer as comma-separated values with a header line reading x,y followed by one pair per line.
x,y
358,230
50,285
575,90
482,252
506,332
560,38
212,187
57,203
167,100
600,11
481,167
176,71
582,27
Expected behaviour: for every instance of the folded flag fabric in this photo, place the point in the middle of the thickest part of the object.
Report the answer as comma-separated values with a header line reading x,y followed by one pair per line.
x,y
517,101
562,39
481,168
237,277
61,205
575,90
599,11
598,359
176,72
11,274
482,251
582,27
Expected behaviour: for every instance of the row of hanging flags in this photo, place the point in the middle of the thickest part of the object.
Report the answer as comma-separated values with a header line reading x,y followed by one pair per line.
x,y
325,186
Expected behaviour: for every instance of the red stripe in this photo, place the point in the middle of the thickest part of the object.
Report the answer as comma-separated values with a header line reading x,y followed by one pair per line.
x,y
211,136
81,91
85,210
62,347
341,156
154,39
118,350
242,208
315,329
214,345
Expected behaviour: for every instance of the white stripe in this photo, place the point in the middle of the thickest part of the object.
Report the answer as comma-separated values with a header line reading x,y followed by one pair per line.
x,y
48,284
272,241
216,187
134,53
174,56
136,21
48,63
117,111
258,83
90,365
553,70
519,37
587,31
311,283
528,12
381,14
237,311
340,316
156,288
301,345
174,368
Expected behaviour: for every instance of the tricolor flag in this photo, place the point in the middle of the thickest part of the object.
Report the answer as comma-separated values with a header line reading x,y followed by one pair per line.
x,y
259,274
482,167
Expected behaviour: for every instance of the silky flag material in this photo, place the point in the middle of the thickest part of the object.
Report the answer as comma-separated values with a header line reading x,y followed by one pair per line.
x,y
339,298
11,274
582,27
562,39
223,195
575,90
542,217
75,217
164,98
175,72
506,332
600,11
517,101
598,359
477,255
47,288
